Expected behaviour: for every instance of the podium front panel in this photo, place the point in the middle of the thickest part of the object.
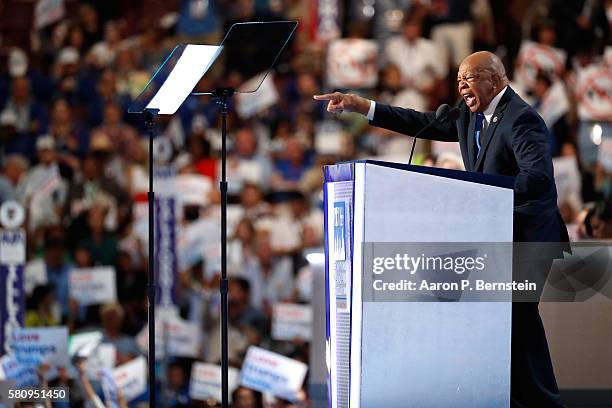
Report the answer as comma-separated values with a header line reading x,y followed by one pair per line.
x,y
422,354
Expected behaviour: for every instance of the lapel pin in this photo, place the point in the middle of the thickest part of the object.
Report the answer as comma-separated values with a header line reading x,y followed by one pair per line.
x,y
494,119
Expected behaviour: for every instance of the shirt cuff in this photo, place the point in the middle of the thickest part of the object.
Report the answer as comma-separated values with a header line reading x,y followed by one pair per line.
x,y
371,110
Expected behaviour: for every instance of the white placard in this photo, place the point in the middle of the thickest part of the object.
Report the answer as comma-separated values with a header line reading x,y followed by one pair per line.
x,y
352,63
605,154
23,375
103,357
593,90
291,321
36,344
131,378
48,12
35,274
567,178
252,103
199,240
329,138
94,286
192,189
266,371
183,337
555,104
12,246
206,381
534,57
164,176
83,344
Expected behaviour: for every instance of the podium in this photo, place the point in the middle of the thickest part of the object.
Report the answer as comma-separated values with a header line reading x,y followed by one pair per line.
x,y
414,351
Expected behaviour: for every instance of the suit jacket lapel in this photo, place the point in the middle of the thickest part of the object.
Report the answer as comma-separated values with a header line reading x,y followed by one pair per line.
x,y
463,140
487,135
471,144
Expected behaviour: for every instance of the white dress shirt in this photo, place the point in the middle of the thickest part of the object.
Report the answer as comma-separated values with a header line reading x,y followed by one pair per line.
x,y
488,113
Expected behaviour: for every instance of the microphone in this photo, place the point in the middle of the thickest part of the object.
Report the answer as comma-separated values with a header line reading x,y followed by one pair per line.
x,y
444,114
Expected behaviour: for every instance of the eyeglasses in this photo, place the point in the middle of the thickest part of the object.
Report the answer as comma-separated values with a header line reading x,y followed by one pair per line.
x,y
470,77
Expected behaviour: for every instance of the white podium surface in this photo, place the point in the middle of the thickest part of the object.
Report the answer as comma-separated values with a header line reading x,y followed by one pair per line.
x,y
412,353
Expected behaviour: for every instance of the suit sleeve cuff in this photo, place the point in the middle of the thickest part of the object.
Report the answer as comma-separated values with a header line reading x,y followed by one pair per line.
x,y
371,110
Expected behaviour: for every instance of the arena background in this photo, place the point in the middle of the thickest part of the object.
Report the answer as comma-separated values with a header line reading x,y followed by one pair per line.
x,y
73,157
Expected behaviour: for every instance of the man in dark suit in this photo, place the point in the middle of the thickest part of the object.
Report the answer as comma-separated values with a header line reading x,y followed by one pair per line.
x,y
500,134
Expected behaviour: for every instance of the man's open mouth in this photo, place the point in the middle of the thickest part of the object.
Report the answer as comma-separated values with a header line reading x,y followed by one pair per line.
x,y
469,99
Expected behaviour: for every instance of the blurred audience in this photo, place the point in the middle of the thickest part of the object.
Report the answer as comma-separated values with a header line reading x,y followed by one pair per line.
x,y
77,161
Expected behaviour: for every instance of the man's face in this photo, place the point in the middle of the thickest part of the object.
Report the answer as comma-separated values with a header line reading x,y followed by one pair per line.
x,y
476,87
46,156
21,89
246,145
412,30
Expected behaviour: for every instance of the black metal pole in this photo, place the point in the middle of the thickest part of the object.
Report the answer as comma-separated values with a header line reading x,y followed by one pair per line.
x,y
151,287
223,94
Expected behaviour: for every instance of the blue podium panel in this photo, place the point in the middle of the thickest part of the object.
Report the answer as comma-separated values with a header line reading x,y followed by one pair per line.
x,y
407,353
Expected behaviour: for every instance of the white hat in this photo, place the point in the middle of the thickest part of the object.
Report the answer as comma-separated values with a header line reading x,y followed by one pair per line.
x,y
45,142
8,117
68,55
17,62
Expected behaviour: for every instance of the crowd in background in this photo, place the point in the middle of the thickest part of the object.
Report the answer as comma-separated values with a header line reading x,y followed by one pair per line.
x,y
77,161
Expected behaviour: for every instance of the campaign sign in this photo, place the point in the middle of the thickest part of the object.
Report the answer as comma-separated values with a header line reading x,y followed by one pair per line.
x,y
12,303
101,358
352,63
35,275
12,258
555,104
173,336
36,344
192,189
206,381
199,240
567,178
23,375
131,378
165,250
328,25
330,138
594,92
266,371
83,344
12,246
534,57
251,103
47,12
291,321
94,286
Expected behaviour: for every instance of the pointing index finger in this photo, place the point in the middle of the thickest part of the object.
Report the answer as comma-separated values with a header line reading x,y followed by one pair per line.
x,y
324,97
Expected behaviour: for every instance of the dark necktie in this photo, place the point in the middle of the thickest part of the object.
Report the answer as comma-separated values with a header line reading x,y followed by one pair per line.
x,y
477,130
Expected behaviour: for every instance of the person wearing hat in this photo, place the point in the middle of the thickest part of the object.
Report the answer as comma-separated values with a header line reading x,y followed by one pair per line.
x,y
22,119
13,169
44,188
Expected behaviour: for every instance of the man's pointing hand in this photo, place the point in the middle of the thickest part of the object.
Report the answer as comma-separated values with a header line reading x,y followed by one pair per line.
x,y
339,102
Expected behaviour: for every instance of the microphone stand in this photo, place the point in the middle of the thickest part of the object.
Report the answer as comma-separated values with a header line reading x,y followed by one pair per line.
x,y
444,113
419,133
